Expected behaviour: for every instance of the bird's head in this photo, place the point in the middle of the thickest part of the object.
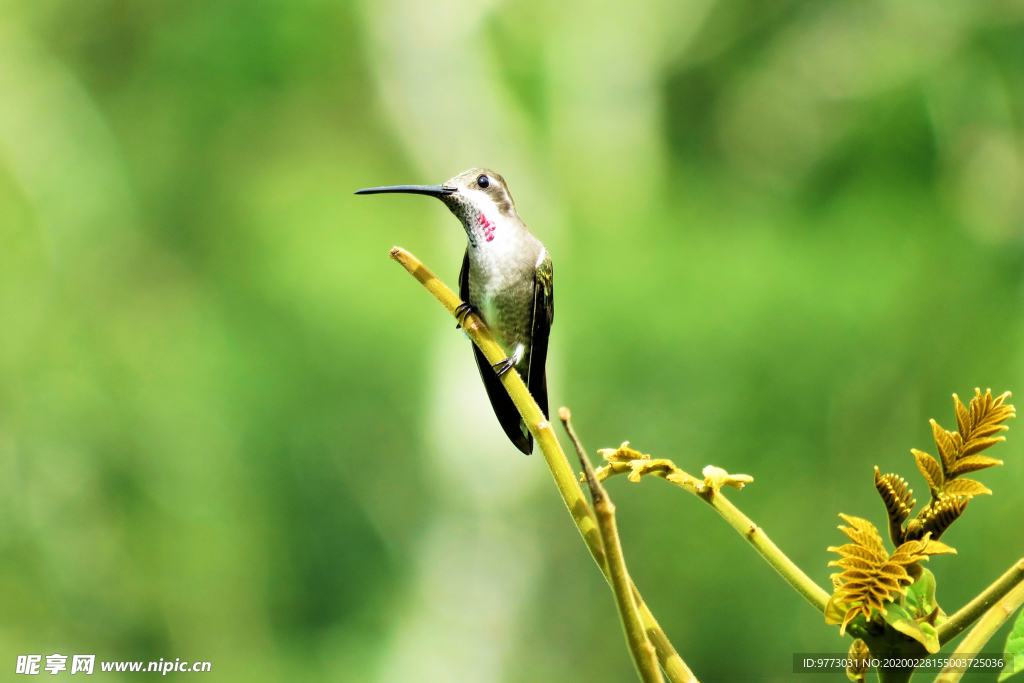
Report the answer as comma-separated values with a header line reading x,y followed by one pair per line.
x,y
478,197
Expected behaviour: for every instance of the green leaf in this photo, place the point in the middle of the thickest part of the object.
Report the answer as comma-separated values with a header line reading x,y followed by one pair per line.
x,y
900,619
931,641
921,595
1013,655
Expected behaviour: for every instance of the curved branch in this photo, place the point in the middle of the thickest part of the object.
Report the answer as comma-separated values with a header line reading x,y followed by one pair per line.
x,y
561,471
966,615
978,636
639,645
707,491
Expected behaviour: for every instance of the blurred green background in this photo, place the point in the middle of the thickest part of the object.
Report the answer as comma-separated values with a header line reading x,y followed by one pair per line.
x,y
232,430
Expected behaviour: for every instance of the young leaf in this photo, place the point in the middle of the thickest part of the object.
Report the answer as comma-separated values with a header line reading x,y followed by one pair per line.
x,y
963,418
943,441
958,451
986,417
936,517
900,619
972,463
1013,654
921,595
871,576
859,657
835,610
622,454
988,430
977,445
715,478
931,634
930,469
936,548
898,503
966,488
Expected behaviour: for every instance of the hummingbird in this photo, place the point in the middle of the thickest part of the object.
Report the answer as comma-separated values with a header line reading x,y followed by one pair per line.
x,y
506,279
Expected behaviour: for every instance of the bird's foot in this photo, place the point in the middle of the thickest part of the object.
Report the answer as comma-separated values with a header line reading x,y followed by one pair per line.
x,y
501,367
461,311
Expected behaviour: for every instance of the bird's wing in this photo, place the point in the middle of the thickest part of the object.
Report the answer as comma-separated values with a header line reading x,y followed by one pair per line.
x,y
543,315
502,404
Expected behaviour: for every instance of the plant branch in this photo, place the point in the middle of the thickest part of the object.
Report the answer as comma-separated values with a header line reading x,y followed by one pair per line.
x,y
708,491
640,647
966,615
561,471
764,546
982,632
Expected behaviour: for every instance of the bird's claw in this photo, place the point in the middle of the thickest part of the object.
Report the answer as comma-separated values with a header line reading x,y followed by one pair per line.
x,y
461,311
501,367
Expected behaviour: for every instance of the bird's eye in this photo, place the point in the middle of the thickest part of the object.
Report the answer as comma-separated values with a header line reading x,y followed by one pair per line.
x,y
483,181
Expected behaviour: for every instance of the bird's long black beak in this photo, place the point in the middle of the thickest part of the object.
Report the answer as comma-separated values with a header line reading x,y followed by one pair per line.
x,y
429,190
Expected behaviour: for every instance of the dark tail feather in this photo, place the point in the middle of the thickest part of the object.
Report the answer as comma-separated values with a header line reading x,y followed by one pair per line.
x,y
504,408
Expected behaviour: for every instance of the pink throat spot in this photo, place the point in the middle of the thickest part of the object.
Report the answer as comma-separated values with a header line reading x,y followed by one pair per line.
x,y
488,227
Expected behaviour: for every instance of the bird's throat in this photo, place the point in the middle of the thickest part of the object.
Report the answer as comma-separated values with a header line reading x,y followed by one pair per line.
x,y
487,227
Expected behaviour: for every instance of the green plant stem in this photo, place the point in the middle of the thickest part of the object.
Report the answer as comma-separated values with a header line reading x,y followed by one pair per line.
x,y
554,456
966,615
753,534
895,675
982,632
644,656
779,561
892,645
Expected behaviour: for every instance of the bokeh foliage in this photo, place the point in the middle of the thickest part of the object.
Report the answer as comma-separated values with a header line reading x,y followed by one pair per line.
x,y
788,231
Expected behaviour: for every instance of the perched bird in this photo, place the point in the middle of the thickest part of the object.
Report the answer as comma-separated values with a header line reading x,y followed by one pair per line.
x,y
506,279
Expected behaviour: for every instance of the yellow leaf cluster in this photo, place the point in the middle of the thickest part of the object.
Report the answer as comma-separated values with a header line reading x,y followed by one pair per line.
x,y
958,455
871,576
958,451
625,460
